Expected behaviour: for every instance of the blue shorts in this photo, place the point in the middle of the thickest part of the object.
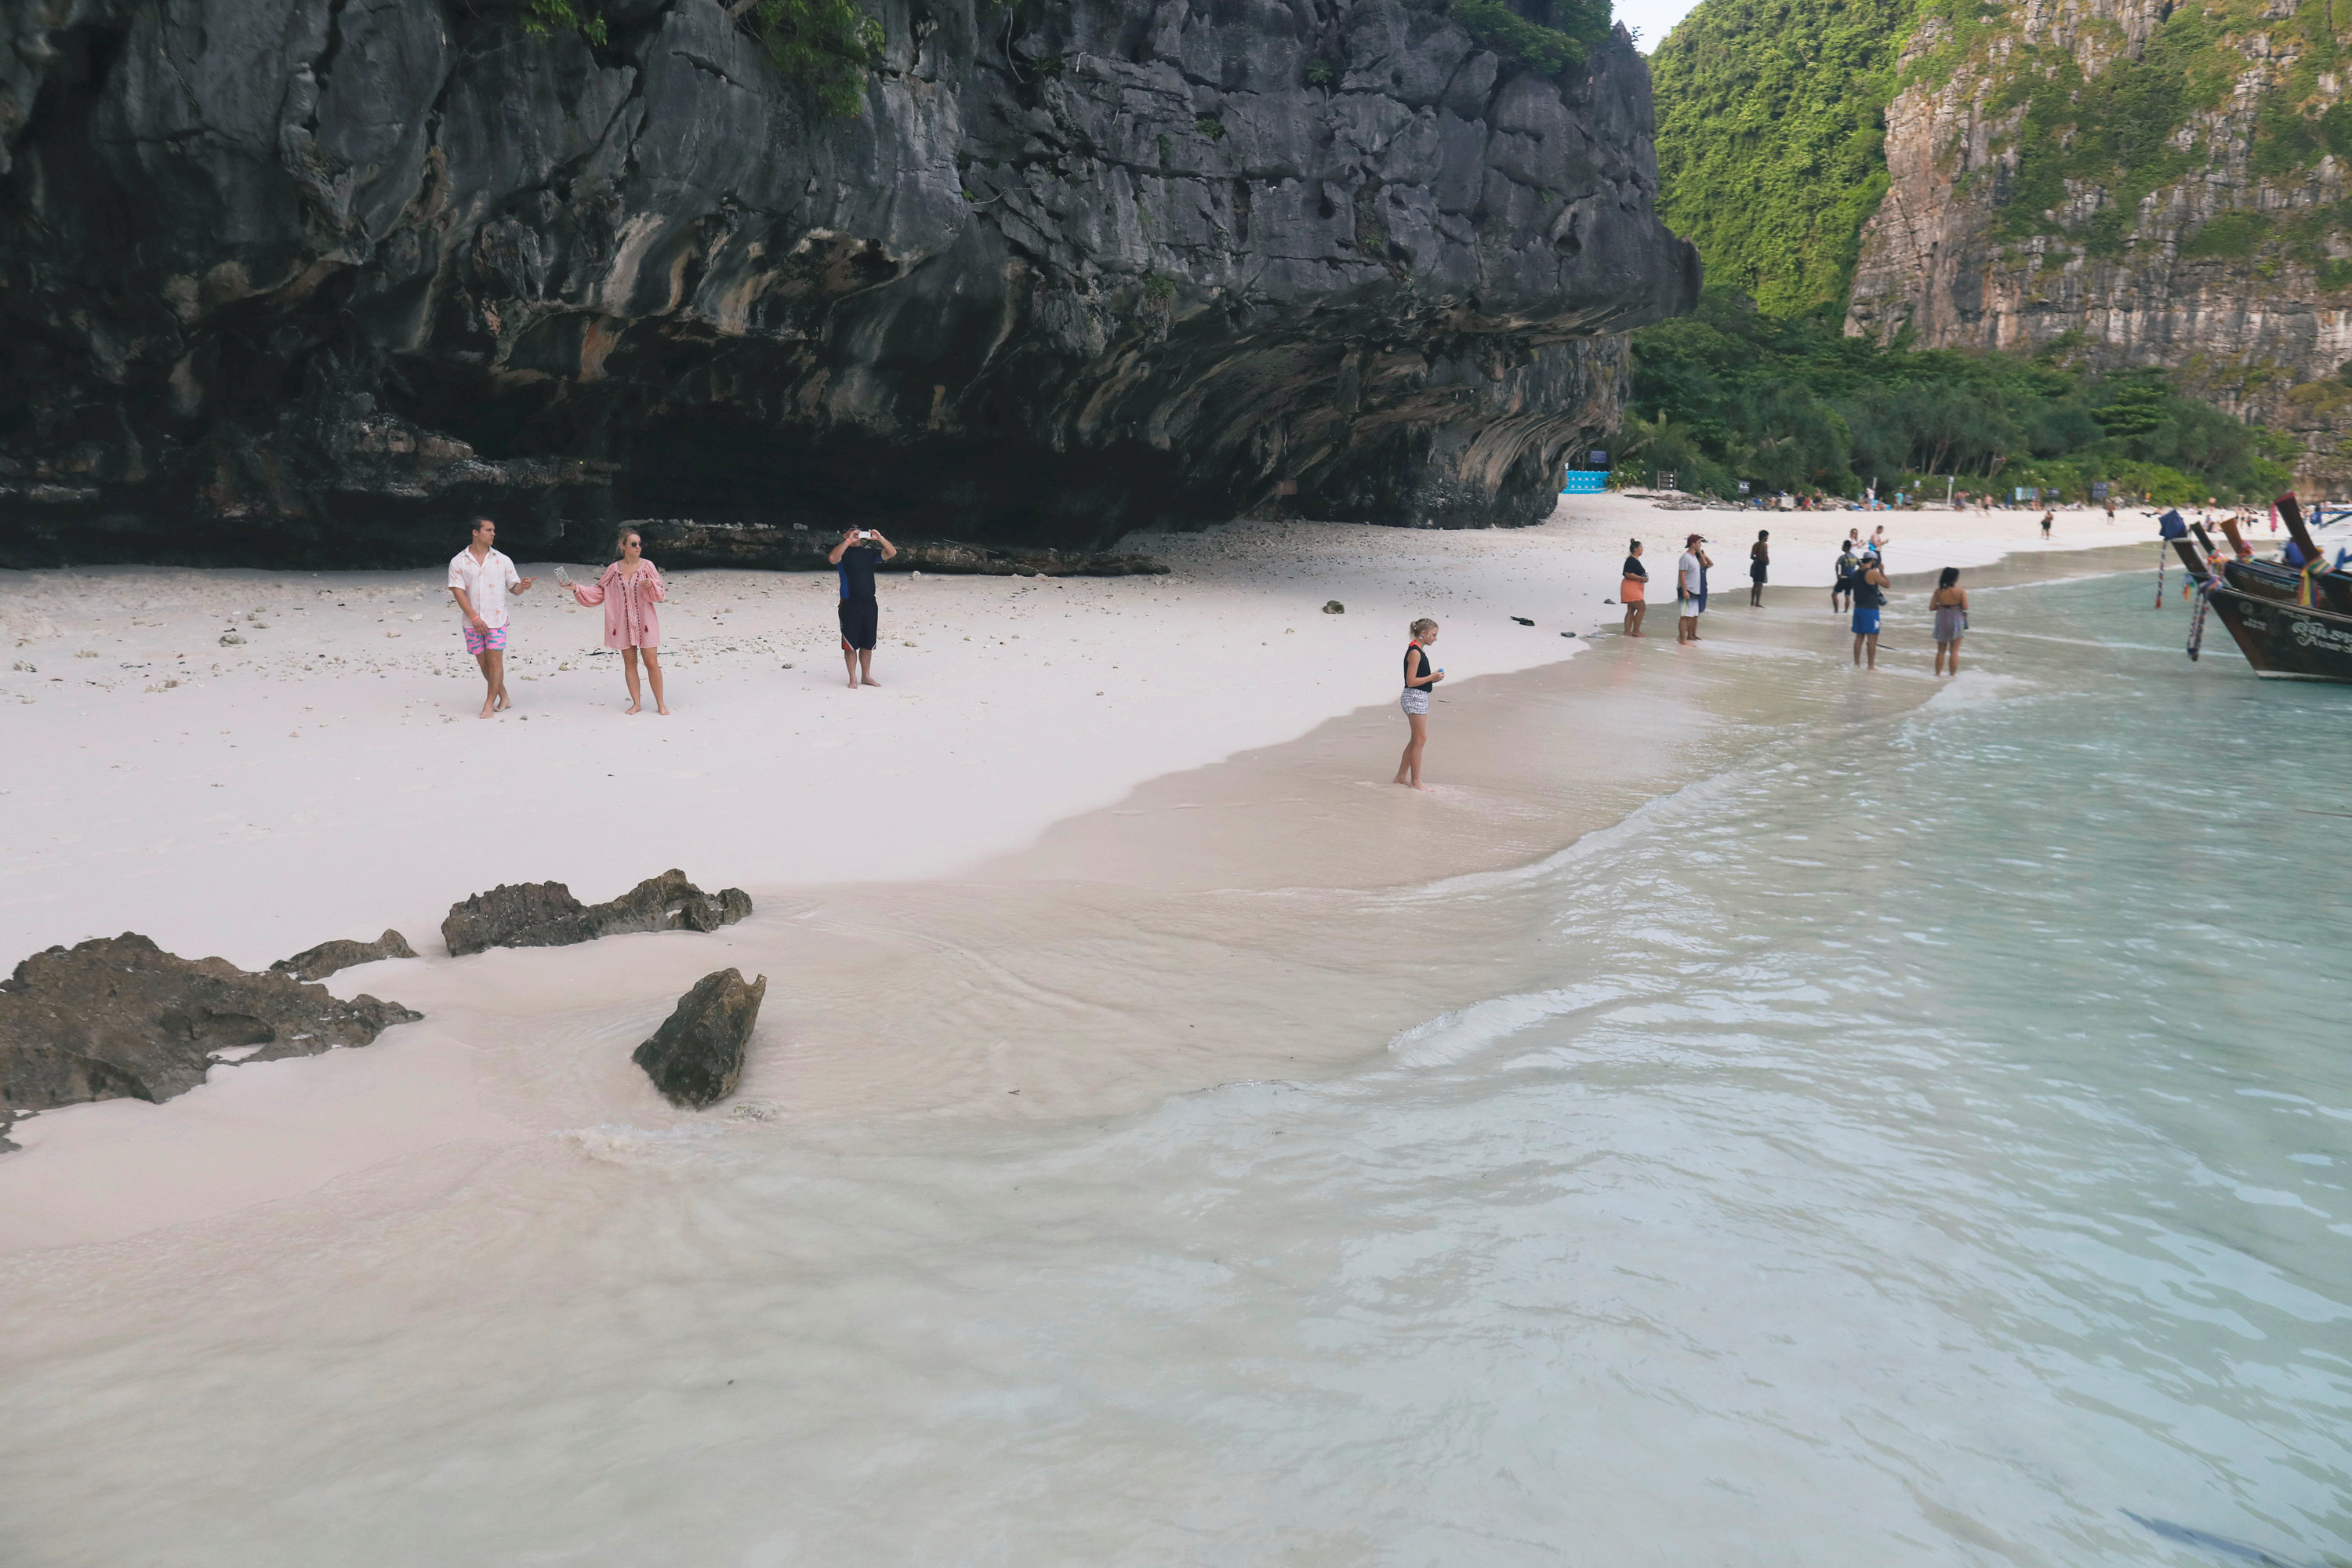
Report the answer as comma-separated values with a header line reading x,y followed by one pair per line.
x,y
1865,621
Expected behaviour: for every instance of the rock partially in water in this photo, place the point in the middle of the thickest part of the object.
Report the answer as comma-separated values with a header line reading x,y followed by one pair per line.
x,y
118,1017
318,963
697,1055
545,915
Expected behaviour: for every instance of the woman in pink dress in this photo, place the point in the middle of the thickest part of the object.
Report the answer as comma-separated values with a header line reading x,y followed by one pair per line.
x,y
629,590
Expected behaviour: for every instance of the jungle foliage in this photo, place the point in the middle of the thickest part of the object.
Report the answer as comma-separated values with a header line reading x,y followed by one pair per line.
x,y
823,46
1771,130
1771,120
1549,34
542,17
1735,392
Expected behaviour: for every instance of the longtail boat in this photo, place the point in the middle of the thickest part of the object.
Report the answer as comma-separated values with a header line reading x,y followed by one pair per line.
x,y
2293,622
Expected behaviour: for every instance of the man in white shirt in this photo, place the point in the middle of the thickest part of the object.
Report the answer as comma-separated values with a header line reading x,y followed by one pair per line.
x,y
479,580
1690,587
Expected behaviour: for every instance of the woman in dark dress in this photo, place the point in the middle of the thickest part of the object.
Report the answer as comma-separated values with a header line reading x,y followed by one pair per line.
x,y
1760,556
1635,589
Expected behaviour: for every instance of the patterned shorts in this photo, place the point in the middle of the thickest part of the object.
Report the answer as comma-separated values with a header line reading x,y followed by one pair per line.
x,y
479,643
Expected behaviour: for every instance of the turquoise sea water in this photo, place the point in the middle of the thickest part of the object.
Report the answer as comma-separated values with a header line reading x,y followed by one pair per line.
x,y
1930,1141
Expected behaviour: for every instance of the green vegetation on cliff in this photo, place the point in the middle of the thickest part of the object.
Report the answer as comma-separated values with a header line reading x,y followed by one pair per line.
x,y
1771,117
1771,132
1733,392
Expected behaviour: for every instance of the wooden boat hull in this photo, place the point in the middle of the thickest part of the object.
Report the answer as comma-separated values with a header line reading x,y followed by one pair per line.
x,y
2285,641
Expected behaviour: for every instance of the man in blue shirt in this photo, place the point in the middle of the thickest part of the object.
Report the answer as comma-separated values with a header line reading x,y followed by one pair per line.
x,y
861,549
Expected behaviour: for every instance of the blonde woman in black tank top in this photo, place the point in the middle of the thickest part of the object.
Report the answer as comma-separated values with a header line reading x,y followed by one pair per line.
x,y
1421,678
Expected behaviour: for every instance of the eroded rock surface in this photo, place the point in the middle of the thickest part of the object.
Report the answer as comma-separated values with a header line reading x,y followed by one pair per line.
x,y
119,1017
318,963
545,915
696,1057
302,282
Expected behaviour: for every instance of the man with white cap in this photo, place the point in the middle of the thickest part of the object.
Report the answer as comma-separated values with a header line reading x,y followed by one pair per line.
x,y
1690,588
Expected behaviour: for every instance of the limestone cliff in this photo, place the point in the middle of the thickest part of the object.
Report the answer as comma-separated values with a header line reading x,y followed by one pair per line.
x,y
2137,183
303,281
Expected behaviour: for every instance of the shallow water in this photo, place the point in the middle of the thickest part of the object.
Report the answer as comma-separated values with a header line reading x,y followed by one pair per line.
x,y
1923,1137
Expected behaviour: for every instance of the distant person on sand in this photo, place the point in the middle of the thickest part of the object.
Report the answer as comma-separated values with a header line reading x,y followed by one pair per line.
x,y
2048,516
1759,557
629,590
1690,588
861,549
1420,679
480,578
1869,598
1634,591
1842,585
1950,604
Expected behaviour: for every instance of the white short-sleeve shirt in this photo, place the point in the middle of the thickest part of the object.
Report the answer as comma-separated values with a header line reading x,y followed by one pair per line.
x,y
1692,575
485,583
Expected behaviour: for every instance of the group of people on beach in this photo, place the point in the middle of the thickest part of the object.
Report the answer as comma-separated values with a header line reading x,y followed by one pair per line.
x,y
481,579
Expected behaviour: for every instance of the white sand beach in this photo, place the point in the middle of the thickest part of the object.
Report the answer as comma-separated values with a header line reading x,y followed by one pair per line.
x,y
327,778
327,775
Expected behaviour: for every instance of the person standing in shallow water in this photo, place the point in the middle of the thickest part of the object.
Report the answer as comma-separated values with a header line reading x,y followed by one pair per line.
x,y
1635,589
1950,604
480,578
1759,558
629,589
1869,599
1841,584
1420,679
1690,588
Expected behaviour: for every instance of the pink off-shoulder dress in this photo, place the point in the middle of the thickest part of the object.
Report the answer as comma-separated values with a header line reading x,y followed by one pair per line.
x,y
630,620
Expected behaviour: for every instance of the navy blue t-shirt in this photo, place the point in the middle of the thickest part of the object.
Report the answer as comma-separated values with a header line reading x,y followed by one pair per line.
x,y
856,568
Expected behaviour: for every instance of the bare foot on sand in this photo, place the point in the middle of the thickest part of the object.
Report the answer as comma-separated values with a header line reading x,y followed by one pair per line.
x,y
869,680
631,708
660,710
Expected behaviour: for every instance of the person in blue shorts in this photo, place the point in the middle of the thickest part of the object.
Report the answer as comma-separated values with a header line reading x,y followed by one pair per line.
x,y
861,549
1869,598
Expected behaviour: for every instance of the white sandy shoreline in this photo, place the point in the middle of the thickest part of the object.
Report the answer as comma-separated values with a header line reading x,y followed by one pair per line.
x,y
327,778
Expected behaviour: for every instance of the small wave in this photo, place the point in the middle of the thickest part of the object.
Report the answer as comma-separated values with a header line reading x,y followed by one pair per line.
x,y
618,1143
1642,820
1450,1037
1976,689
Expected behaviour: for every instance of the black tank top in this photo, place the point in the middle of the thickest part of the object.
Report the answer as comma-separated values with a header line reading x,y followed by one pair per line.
x,y
1413,651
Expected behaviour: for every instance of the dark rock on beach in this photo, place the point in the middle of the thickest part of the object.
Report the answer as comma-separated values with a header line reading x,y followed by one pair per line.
x,y
301,283
318,963
697,1055
545,915
119,1017
682,541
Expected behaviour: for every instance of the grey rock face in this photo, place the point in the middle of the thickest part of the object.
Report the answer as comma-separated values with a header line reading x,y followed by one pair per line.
x,y
306,282
318,963
119,1017
697,1055
545,915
